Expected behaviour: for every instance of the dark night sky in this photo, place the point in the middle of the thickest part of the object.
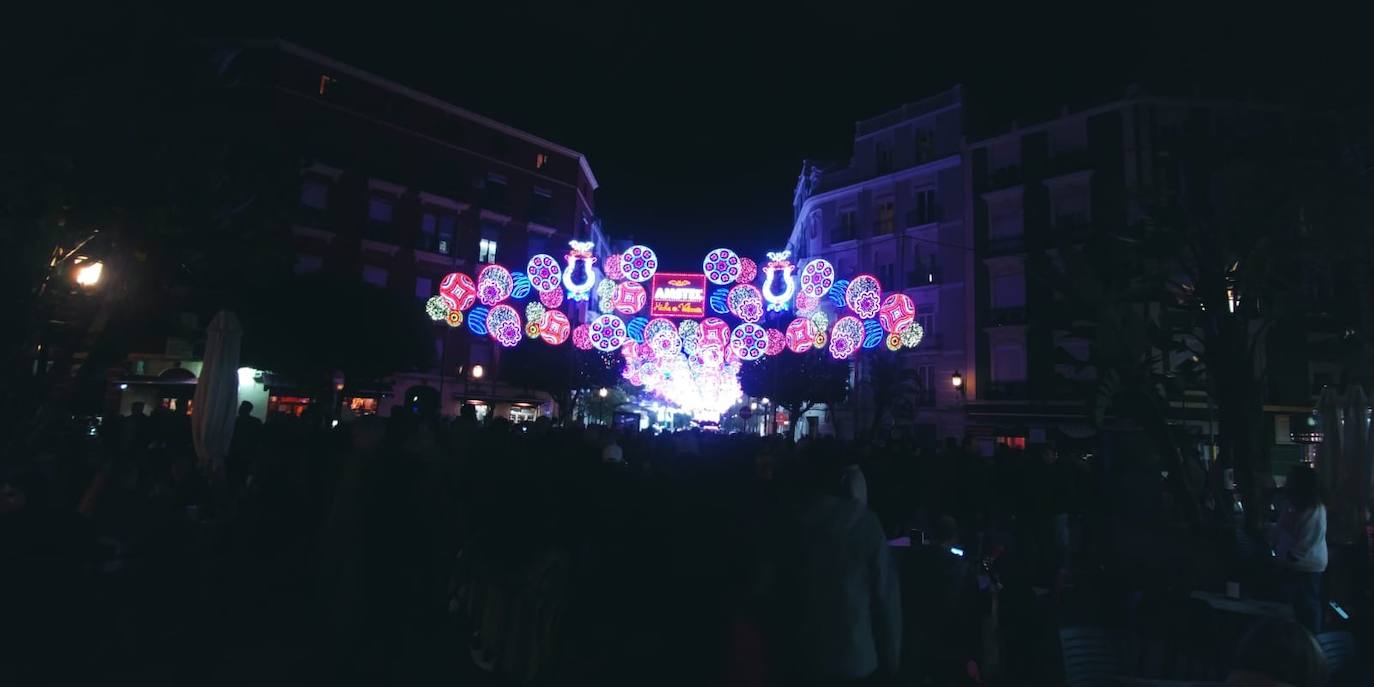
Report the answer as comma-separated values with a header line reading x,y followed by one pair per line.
x,y
696,118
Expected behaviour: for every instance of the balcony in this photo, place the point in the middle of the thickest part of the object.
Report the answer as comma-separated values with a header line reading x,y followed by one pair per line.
x,y
1069,161
915,218
1004,391
1000,317
1002,245
1004,177
1076,226
923,277
315,218
924,398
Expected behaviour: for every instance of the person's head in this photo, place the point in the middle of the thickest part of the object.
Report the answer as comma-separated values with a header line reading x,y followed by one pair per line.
x,y
1302,487
1278,652
946,532
245,409
137,408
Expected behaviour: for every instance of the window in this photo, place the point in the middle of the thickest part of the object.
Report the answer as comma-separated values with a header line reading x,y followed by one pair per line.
x,y
424,287
1009,363
374,275
884,157
924,210
1070,206
885,275
436,232
847,228
927,322
925,385
541,160
1008,291
1004,219
925,144
486,250
380,209
326,82
308,264
494,192
883,224
541,206
315,194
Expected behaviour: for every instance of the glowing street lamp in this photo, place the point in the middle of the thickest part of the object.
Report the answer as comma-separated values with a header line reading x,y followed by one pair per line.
x,y
88,275
957,380
477,371
603,392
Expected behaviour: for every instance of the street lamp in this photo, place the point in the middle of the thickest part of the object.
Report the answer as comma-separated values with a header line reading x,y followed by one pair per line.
x,y
603,392
957,380
88,275
477,371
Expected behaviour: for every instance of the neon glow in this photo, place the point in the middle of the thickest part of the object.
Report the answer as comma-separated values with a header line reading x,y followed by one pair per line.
x,y
544,273
612,267
436,308
748,341
581,337
896,313
745,302
873,334
912,335
458,291
551,299
454,318
817,277
721,266
863,295
628,298
494,284
778,264
534,311
639,263
678,295
714,333
801,335
477,320
748,271
503,324
580,258
777,342
608,333
690,333
554,327
846,337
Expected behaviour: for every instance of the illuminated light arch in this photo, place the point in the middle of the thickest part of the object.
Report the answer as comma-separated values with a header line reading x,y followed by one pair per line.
x,y
554,327
458,291
864,295
579,257
745,302
714,332
544,273
628,298
778,267
503,325
801,335
494,284
897,311
817,277
846,337
639,263
748,341
608,333
722,266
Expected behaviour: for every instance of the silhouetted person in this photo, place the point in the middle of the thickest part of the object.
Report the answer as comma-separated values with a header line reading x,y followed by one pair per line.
x,y
940,615
1300,546
244,446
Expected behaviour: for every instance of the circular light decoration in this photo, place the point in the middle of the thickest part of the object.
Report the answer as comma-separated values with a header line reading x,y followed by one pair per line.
x,y
520,285
745,302
819,319
912,335
532,330
494,284
748,270
720,301
722,266
777,342
896,313
605,304
454,318
748,341
608,333
578,277
894,342
628,297
714,332
663,341
544,273
801,335
605,289
554,327
581,337
807,304
534,311
864,295
657,326
778,267
551,299
477,320
817,277
458,291
689,331
846,337
873,334
837,291
436,308
503,324
820,339
638,263
635,328
612,267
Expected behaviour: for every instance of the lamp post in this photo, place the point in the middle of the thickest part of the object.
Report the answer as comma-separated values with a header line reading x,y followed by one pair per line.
x,y
957,380
88,274
476,373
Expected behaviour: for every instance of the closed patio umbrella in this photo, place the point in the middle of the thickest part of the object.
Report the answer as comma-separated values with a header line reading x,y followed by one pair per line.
x,y
213,411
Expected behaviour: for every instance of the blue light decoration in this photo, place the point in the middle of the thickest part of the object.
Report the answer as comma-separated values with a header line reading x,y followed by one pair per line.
x,y
873,333
778,263
837,292
579,283
635,328
720,301
521,287
477,320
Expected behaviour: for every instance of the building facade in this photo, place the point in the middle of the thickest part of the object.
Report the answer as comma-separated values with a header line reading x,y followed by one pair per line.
x,y
896,210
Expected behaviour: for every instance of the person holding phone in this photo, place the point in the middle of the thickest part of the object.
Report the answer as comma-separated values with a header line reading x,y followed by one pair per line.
x,y
1300,546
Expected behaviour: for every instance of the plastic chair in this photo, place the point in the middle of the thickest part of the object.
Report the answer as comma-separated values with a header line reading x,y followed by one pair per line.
x,y
1339,649
1090,656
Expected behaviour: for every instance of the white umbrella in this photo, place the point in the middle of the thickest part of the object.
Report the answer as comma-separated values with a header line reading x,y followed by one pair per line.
x,y
213,412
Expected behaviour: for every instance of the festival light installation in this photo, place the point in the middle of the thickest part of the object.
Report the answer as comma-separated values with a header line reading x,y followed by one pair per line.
x,y
817,278
777,342
721,266
454,318
896,313
748,341
494,284
551,299
714,332
748,271
554,327
639,263
745,302
608,333
503,324
846,337
612,267
779,268
544,273
863,295
581,337
578,277
628,297
912,335
801,335
436,308
458,291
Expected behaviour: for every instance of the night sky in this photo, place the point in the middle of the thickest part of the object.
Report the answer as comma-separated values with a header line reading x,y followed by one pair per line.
x,y
696,118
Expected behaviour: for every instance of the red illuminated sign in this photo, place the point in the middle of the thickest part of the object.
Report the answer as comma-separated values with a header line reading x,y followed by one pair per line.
x,y
678,295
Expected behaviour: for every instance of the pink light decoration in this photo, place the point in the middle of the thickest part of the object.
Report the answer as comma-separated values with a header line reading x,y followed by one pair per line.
x,y
745,302
458,291
864,295
554,327
551,299
657,327
503,324
722,266
817,278
801,335
581,337
607,333
896,313
714,332
807,304
544,273
628,298
777,342
494,284
612,267
748,270
639,263
748,341
664,341
846,337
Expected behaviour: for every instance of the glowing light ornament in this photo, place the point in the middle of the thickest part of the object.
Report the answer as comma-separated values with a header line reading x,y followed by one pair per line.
x,y
639,263
544,273
777,342
748,270
612,267
454,318
605,304
554,327
551,299
503,324
532,330
657,327
628,297
714,333
534,311
458,291
722,266
837,292
807,304
581,337
605,289
436,308
689,331
494,284
578,277
663,341
864,295
873,334
745,302
778,264
801,335
477,320
748,341
520,285
896,313
894,342
817,278
608,333
819,319
912,335
635,328
720,301
846,337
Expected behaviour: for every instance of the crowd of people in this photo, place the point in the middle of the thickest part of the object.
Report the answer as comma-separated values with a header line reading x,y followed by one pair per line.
x,y
410,547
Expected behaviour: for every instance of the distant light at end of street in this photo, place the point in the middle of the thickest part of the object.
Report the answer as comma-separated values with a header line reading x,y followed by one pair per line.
x,y
603,392
477,371
89,275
